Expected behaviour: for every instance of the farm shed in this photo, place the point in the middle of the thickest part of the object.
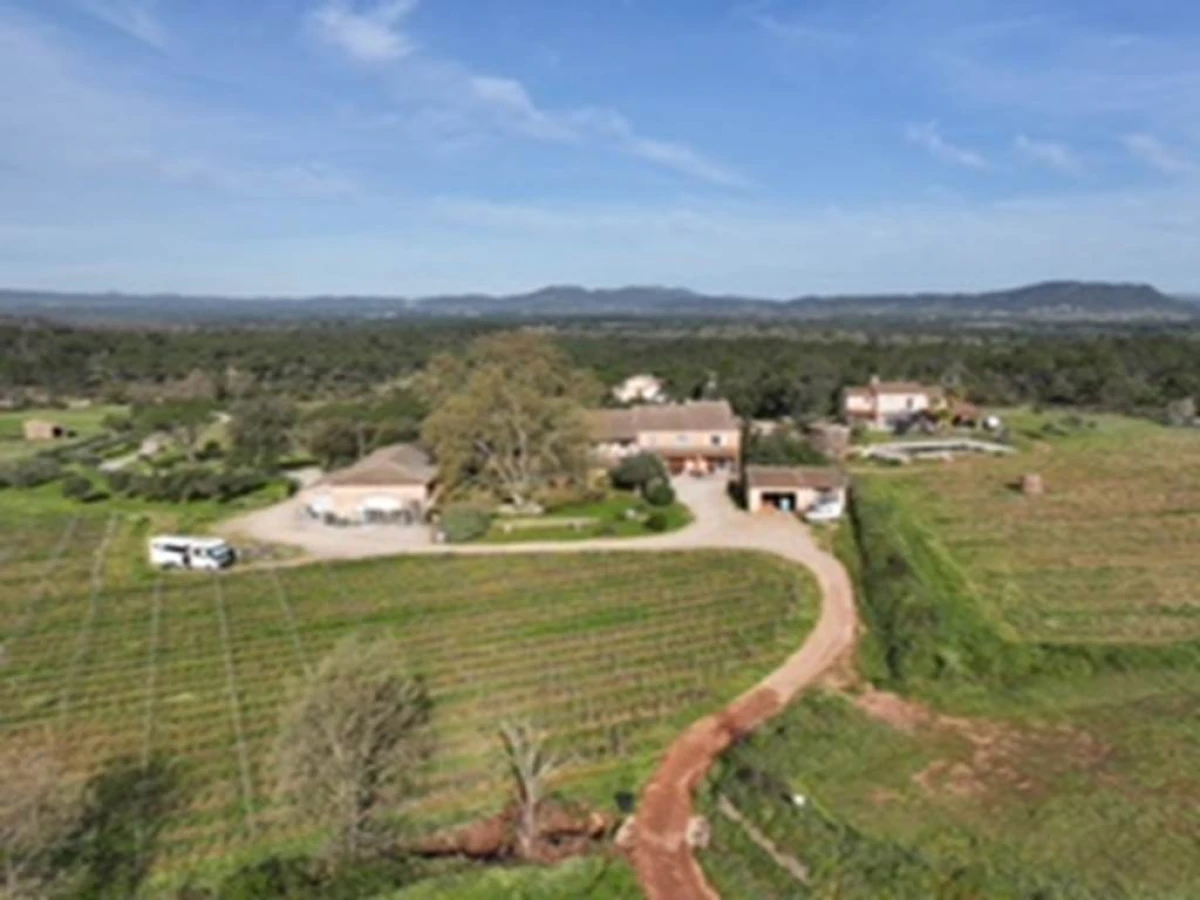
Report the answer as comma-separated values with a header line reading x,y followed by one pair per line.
x,y
43,430
792,488
392,484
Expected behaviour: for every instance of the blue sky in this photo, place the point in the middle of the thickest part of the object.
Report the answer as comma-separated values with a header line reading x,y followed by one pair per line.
x,y
773,147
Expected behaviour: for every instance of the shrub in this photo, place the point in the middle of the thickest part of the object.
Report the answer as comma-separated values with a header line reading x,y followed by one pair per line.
x,y
658,521
31,473
659,493
462,523
76,487
638,472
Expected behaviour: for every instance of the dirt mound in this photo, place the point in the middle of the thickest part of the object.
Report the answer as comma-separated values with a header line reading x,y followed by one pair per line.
x,y
564,831
997,756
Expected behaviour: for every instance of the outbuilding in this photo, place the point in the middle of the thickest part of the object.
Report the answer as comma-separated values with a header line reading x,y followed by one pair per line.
x,y
793,489
42,430
394,484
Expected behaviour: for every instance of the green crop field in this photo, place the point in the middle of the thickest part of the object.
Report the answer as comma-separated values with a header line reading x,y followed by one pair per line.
x,y
1108,554
1056,636
613,654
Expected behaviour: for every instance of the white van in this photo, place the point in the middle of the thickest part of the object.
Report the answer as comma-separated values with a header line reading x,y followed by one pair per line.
x,y
200,554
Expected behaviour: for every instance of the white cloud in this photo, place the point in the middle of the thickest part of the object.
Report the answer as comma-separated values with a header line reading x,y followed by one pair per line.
x,y
1051,154
1157,155
458,105
372,34
929,137
136,18
68,121
509,101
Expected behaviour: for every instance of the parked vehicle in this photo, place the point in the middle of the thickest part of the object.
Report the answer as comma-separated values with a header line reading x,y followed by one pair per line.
x,y
825,512
197,554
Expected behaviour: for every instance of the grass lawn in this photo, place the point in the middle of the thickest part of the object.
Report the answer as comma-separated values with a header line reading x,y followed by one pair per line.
x,y
584,521
1109,553
598,878
48,501
613,654
85,422
1085,790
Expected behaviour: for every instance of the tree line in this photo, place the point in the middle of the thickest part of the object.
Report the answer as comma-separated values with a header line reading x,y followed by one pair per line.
x,y
765,374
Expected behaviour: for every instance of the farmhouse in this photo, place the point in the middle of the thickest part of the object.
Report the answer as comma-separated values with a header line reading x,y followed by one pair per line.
x,y
792,488
883,405
696,437
640,389
42,430
393,484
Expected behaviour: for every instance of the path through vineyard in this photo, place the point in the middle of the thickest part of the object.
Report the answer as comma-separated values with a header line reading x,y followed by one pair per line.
x,y
666,867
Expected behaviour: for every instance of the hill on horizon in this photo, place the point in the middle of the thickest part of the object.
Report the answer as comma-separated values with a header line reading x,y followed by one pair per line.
x,y
1055,301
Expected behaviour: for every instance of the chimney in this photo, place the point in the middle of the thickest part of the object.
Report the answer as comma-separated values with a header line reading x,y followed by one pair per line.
x,y
874,382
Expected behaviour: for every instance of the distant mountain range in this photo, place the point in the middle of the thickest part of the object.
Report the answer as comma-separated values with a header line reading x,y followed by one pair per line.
x,y
1049,302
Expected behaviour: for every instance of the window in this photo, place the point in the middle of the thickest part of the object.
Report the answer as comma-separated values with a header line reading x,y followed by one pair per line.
x,y
681,439
715,440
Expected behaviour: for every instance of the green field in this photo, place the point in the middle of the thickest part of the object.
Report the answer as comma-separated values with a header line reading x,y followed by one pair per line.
x,y
613,654
1108,554
85,422
1058,633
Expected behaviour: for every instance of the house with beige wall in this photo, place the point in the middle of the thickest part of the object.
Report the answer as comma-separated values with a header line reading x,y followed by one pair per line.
x,y
43,430
793,489
883,405
393,484
699,436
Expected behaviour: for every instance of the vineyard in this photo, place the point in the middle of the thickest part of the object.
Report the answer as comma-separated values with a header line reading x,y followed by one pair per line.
x,y
1052,643
1108,554
613,654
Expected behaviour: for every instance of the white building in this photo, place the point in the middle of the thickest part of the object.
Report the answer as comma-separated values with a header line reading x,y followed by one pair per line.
x,y
641,389
885,404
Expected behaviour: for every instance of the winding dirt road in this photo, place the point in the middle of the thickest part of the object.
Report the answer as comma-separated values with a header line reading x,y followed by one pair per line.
x,y
665,864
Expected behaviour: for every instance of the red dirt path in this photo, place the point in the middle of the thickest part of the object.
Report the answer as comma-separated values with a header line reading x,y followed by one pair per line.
x,y
666,866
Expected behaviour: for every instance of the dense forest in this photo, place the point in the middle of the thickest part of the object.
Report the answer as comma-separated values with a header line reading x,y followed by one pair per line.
x,y
765,373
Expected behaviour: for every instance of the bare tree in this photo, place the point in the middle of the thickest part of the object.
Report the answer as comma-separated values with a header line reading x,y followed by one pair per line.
x,y
354,740
532,767
39,807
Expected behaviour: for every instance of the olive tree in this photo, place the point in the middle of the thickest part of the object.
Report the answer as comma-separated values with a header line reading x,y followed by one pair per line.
x,y
354,740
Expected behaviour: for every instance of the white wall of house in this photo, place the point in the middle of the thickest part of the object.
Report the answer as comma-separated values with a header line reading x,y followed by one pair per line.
x,y
696,441
347,502
860,405
890,405
640,388
802,498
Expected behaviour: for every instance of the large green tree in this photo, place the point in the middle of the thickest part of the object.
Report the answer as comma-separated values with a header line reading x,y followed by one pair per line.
x,y
508,416
261,431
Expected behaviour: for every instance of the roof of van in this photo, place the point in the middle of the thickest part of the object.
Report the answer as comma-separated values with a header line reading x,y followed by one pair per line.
x,y
194,541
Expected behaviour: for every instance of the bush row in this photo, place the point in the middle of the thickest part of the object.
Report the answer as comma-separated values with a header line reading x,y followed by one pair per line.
x,y
926,623
187,484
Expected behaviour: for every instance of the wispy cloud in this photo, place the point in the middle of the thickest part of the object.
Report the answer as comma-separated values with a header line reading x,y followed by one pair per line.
x,y
136,18
460,103
1051,154
68,121
309,180
1156,154
370,34
929,137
